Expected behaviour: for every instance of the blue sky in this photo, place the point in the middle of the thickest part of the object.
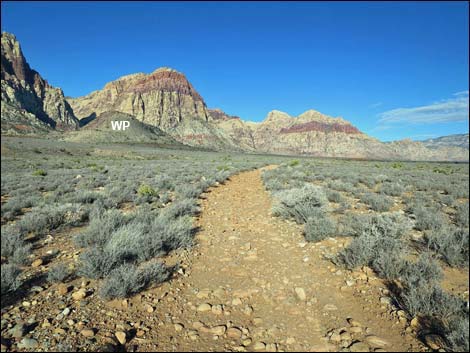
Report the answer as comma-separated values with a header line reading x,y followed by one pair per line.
x,y
395,70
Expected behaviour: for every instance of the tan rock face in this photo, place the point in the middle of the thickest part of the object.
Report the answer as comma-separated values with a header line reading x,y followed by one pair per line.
x,y
164,98
25,90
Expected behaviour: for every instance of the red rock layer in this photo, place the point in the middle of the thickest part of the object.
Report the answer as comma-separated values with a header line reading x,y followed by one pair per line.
x,y
167,81
323,127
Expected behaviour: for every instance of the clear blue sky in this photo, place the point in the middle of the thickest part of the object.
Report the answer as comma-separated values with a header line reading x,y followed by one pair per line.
x,y
395,70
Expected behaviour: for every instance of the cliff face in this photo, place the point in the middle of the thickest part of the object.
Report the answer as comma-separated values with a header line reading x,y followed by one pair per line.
x,y
164,99
25,90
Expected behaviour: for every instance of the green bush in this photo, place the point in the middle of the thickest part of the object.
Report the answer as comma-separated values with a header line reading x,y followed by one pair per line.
x,y
39,172
146,190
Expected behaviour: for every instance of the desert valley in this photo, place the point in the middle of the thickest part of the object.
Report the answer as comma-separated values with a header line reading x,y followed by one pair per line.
x,y
137,218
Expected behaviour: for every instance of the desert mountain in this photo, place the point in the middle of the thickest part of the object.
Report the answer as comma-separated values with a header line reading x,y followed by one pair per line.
x,y
457,140
29,97
164,99
164,106
100,130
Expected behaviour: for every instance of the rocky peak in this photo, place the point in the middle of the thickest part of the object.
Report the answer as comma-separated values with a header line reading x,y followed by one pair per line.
x,y
276,116
24,88
219,114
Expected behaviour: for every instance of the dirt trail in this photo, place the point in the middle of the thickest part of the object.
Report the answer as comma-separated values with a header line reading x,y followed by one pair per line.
x,y
251,264
236,291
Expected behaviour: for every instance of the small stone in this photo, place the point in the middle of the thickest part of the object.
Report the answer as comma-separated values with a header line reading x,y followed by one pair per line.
x,y
204,307
335,337
236,301
248,310
203,294
434,341
218,330
259,346
246,342
121,337
87,333
376,342
359,347
257,321
140,333
414,322
290,340
79,295
28,343
234,332
354,323
63,289
300,293
179,327
150,309
198,325
26,304
386,300
345,336
18,331
59,331
271,347
330,307
355,329
217,309
37,263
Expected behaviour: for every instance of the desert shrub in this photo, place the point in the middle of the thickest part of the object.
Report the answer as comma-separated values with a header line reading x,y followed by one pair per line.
x,y
101,227
461,217
392,189
58,273
428,218
86,197
191,191
185,207
96,263
146,190
377,244
127,279
334,196
458,334
13,246
451,243
21,254
377,202
319,226
299,203
50,217
39,172
165,197
425,270
165,183
430,300
341,186
10,278
145,237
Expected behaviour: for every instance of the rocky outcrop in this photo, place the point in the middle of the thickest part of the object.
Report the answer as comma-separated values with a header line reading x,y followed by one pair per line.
x,y
25,91
316,134
164,99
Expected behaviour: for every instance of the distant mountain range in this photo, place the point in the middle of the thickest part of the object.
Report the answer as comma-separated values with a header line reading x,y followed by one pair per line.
x,y
164,107
457,140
